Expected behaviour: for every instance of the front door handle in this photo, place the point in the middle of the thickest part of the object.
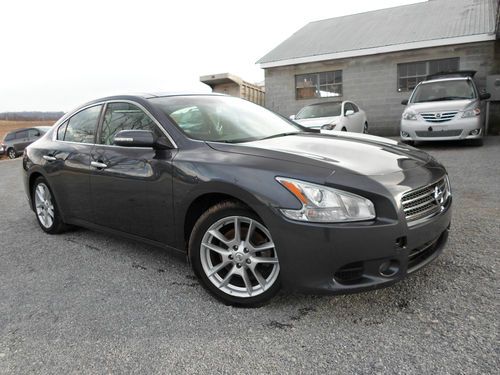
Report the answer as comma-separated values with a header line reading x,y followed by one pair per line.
x,y
49,157
98,165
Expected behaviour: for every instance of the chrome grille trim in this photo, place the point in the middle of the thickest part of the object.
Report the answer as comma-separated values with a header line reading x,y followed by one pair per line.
x,y
422,203
437,117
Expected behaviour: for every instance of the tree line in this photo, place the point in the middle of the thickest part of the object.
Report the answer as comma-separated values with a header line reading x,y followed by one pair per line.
x,y
30,116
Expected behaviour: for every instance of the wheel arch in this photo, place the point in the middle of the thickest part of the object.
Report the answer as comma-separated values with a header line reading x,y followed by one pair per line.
x,y
195,204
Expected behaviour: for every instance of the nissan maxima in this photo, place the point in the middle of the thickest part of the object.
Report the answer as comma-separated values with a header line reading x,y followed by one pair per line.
x,y
254,201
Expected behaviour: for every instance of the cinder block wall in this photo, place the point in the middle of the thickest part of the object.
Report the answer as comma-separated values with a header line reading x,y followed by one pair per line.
x,y
371,81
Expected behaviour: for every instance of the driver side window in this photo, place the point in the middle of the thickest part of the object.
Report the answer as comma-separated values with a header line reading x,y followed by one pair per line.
x,y
125,116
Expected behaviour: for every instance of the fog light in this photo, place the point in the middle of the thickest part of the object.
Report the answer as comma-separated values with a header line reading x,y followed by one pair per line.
x,y
405,134
389,268
475,132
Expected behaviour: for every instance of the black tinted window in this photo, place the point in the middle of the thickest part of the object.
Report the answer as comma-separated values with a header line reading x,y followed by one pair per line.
x,y
10,137
22,135
125,116
81,127
348,107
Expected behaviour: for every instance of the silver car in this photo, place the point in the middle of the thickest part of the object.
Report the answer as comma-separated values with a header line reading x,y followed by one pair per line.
x,y
446,107
333,116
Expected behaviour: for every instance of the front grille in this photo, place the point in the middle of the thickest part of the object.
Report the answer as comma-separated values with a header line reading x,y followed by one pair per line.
x,y
437,117
426,201
439,133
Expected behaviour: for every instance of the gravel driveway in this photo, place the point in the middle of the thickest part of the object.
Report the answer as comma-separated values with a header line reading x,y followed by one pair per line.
x,y
84,302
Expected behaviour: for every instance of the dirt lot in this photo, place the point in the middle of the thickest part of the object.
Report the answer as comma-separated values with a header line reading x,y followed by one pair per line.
x,y
86,302
7,126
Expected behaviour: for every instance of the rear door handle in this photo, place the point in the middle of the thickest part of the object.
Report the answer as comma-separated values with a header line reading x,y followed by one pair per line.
x,y
49,158
98,165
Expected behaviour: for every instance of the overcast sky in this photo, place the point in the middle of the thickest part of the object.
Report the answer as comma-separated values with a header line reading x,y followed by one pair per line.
x,y
55,55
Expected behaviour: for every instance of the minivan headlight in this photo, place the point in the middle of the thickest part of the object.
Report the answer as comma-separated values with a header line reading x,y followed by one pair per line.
x,y
324,204
409,115
472,112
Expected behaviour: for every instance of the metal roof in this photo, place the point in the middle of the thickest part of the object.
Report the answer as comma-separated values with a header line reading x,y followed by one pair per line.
x,y
426,24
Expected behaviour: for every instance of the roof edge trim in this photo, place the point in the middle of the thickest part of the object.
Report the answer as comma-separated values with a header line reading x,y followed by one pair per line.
x,y
382,49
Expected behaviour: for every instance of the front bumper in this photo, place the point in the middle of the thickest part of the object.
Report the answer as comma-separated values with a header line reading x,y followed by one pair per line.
x,y
456,129
351,257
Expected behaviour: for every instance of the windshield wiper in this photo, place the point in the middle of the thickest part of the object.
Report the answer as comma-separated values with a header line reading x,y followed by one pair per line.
x,y
280,135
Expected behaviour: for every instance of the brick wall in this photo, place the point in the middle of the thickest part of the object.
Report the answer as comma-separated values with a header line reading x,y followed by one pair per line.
x,y
371,81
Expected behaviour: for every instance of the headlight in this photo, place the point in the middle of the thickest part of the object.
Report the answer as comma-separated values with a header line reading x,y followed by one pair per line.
x,y
328,126
409,115
326,205
472,112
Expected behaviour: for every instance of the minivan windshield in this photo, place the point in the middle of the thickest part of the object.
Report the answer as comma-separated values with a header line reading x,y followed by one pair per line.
x,y
320,110
443,90
223,118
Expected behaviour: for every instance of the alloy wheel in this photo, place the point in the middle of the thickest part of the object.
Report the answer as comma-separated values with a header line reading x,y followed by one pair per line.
x,y
12,153
44,205
238,257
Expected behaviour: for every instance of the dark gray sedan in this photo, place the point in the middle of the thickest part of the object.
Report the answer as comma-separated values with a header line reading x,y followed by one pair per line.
x,y
255,201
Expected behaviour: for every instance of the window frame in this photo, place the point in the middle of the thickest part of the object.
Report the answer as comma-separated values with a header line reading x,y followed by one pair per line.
x,y
104,104
101,122
318,84
418,76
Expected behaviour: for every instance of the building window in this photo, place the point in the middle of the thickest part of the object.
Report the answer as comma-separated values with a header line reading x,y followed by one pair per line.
x,y
411,74
318,85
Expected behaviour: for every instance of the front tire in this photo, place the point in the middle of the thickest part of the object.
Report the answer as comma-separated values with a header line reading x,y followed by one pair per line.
x,y
12,154
234,256
365,128
46,209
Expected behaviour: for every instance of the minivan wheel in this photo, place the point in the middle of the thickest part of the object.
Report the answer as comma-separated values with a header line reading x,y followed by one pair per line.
x,y
11,153
46,210
234,256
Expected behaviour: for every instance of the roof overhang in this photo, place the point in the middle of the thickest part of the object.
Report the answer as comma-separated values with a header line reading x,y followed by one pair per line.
x,y
383,49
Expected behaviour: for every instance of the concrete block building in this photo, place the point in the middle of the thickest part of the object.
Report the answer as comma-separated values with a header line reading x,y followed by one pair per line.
x,y
376,58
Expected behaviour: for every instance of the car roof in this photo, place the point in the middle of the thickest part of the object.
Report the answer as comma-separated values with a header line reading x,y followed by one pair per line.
x,y
324,103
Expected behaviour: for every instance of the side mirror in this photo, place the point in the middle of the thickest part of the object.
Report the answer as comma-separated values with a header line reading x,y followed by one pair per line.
x,y
349,112
484,96
404,102
292,117
140,138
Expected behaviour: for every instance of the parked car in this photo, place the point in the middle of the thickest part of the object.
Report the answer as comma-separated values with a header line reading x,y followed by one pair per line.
x,y
16,141
253,200
333,116
446,106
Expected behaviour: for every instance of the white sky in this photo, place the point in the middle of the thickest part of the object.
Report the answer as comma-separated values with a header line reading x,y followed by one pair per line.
x,y
55,55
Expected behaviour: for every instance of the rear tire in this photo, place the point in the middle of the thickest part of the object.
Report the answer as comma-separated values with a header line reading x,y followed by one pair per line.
x,y
228,262
12,154
46,208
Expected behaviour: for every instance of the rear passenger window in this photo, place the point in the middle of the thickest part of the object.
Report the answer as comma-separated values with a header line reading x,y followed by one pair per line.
x,y
125,116
82,126
22,135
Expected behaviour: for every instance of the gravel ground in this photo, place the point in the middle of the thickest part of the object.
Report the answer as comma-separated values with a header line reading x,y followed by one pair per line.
x,y
84,302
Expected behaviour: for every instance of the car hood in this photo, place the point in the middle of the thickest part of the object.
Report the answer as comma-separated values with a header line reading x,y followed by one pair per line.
x,y
447,105
343,153
317,122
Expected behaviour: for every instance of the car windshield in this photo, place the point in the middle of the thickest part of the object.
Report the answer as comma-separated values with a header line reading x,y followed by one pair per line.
x,y
443,90
223,118
320,110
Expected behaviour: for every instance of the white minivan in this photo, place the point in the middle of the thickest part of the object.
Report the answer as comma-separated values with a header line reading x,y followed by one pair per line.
x,y
446,106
